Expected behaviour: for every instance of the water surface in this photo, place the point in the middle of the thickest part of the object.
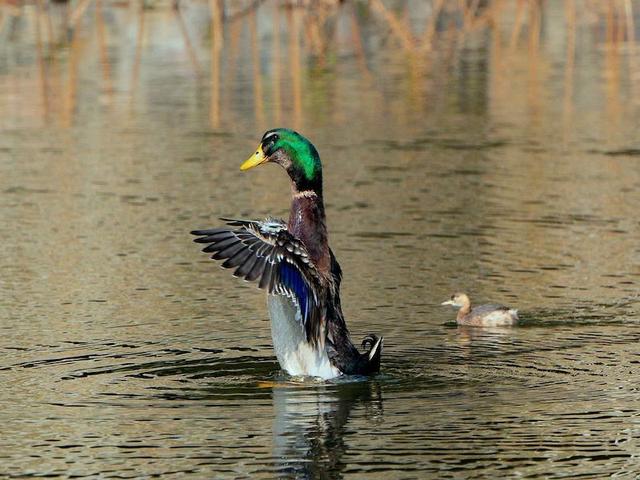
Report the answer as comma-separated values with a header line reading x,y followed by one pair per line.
x,y
492,150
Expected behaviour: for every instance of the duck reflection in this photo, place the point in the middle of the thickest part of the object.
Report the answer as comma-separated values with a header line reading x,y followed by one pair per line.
x,y
472,340
309,425
467,334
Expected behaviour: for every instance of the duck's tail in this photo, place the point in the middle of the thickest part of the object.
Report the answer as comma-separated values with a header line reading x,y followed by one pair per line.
x,y
374,345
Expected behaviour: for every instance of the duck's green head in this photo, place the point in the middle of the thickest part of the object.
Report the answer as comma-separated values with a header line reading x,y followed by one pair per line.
x,y
294,153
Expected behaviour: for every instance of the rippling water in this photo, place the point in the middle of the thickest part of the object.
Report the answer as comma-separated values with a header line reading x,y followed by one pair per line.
x,y
492,150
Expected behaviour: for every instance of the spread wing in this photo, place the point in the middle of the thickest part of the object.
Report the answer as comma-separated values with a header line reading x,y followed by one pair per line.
x,y
265,252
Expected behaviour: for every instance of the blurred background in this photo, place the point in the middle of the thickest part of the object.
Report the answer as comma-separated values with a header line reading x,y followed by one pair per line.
x,y
476,145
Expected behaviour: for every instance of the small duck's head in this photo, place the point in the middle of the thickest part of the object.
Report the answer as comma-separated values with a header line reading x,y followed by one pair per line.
x,y
460,300
294,153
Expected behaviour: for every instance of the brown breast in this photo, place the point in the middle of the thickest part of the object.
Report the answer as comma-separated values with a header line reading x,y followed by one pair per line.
x,y
307,222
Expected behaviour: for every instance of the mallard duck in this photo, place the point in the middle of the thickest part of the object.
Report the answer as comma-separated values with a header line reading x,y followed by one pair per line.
x,y
293,263
490,315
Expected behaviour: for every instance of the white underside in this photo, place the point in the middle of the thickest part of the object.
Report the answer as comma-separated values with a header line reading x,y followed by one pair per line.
x,y
295,355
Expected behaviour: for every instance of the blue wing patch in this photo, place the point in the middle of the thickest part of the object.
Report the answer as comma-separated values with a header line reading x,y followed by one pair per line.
x,y
293,280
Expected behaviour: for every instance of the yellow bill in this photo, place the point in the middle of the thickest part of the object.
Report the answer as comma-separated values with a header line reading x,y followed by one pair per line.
x,y
255,159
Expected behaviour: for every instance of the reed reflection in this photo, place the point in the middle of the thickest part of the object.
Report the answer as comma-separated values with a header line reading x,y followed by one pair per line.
x,y
310,423
217,40
292,57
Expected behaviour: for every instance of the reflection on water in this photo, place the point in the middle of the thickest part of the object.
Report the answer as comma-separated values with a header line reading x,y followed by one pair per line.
x,y
485,146
309,426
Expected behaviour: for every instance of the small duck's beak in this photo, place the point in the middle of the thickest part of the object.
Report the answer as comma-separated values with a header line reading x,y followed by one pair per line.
x,y
448,302
255,159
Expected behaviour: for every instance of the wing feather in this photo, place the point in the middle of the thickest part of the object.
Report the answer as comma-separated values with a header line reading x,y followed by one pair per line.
x,y
246,267
228,252
221,244
264,251
237,259
256,270
208,236
265,279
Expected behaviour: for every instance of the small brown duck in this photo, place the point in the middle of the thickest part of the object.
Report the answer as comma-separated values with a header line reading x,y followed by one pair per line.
x,y
490,315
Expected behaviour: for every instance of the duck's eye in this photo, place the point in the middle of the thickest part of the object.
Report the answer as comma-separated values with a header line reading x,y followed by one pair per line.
x,y
271,138
269,144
